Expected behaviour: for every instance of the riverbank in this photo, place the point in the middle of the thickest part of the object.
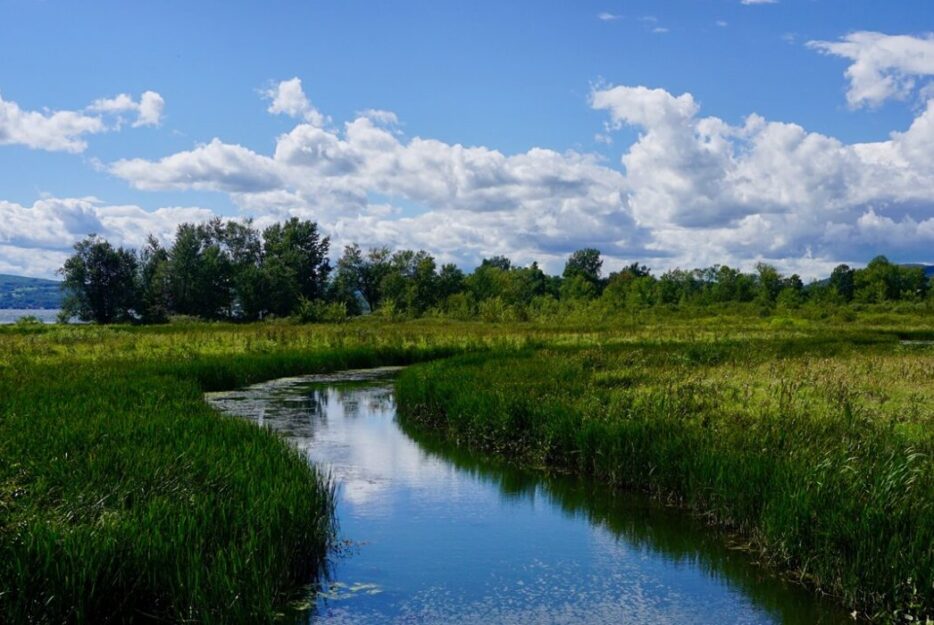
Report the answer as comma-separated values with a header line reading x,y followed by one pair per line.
x,y
817,449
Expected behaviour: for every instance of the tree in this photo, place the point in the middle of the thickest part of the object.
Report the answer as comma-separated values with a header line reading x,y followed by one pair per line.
x,y
155,292
100,282
585,263
298,246
450,281
913,284
878,281
769,282
677,286
841,281
500,262
360,274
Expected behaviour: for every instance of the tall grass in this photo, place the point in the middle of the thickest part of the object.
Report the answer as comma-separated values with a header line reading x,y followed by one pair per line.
x,y
818,450
124,497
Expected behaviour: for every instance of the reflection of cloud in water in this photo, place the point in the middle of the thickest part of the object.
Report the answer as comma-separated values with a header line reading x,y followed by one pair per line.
x,y
545,594
371,458
350,431
447,539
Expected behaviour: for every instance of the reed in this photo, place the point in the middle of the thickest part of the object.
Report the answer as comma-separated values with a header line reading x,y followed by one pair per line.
x,y
818,450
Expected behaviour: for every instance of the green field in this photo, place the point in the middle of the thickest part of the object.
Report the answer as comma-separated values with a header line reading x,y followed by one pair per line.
x,y
123,496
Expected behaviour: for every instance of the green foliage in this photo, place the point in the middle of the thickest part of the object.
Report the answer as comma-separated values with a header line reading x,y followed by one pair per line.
x,y
28,321
123,496
585,264
228,271
320,311
298,255
814,443
100,282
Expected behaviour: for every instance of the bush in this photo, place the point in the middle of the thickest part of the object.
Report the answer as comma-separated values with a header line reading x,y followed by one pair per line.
x,y
319,311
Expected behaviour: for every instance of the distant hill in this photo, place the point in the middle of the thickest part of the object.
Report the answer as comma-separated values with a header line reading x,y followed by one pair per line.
x,y
21,292
928,269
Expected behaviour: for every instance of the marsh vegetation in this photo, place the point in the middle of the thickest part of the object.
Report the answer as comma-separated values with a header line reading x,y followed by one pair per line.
x,y
123,496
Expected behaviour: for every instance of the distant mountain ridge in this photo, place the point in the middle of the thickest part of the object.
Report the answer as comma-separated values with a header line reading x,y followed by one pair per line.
x,y
29,293
928,269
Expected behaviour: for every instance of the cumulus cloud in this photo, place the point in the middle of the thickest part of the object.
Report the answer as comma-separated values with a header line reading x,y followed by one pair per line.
x,y
215,166
288,98
62,131
770,189
883,66
347,176
65,131
606,16
36,239
690,190
748,2
148,108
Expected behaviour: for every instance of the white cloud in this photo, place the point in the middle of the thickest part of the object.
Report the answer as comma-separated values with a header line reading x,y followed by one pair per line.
x,y
659,30
748,2
61,131
149,108
65,131
215,166
36,239
883,66
771,189
608,17
722,23
288,98
692,190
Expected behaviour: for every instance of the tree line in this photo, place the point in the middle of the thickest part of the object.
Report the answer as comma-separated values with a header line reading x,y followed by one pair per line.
x,y
229,270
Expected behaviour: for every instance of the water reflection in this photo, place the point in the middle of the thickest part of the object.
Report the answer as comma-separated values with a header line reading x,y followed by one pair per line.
x,y
442,537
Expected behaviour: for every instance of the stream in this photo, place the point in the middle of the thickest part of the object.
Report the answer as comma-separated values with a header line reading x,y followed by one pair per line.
x,y
432,534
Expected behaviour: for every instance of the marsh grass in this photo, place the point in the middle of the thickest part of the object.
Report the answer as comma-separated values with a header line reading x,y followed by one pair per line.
x,y
818,451
124,497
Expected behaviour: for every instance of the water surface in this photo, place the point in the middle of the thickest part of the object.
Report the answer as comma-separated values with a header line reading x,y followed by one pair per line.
x,y
434,535
45,315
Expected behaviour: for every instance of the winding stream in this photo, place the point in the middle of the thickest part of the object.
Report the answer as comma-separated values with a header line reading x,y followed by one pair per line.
x,y
434,535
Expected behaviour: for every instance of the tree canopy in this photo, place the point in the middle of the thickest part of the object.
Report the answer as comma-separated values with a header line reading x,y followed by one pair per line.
x,y
230,270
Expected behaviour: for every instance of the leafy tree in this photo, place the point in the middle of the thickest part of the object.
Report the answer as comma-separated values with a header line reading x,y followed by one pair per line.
x,y
155,296
769,282
500,262
841,281
878,282
297,251
100,282
450,281
578,287
411,282
186,283
585,263
913,284
361,274
678,286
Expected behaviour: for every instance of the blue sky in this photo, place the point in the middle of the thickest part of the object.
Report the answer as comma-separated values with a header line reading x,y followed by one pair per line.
x,y
519,81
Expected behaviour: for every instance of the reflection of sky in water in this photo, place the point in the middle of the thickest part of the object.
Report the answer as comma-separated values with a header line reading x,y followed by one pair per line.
x,y
435,543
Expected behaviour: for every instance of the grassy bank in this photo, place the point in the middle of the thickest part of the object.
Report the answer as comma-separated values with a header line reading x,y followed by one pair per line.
x,y
813,443
124,497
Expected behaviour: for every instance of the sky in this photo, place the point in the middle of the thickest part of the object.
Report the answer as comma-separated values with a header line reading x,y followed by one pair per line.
x,y
676,134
